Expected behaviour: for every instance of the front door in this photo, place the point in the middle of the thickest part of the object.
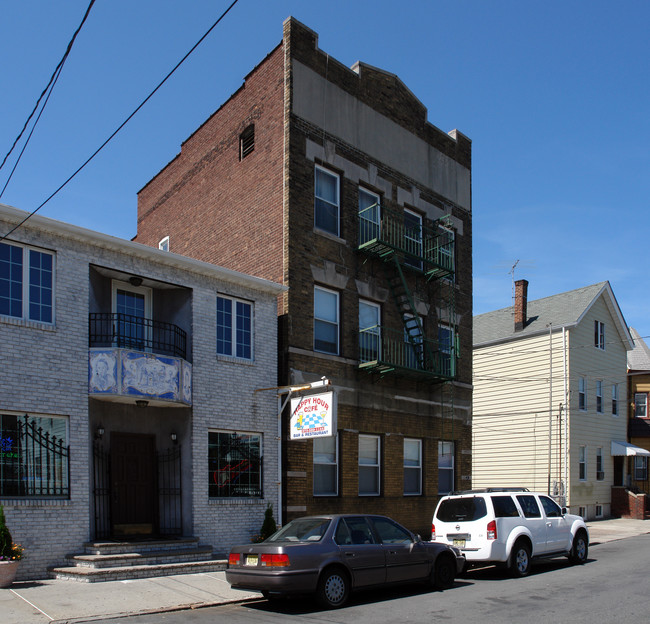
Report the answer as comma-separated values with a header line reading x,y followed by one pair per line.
x,y
133,484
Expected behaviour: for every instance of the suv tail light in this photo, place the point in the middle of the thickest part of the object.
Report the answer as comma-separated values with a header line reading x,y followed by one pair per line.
x,y
433,532
492,530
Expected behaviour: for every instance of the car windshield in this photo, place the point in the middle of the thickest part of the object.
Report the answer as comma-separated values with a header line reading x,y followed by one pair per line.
x,y
461,509
302,530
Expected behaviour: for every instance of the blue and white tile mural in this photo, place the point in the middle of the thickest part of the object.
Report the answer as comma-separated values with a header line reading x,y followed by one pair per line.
x,y
134,373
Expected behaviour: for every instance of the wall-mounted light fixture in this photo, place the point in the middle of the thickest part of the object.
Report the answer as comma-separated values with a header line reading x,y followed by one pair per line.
x,y
99,432
173,437
141,403
136,281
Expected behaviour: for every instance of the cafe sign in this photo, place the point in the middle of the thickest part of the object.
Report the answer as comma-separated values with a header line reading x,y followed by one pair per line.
x,y
313,416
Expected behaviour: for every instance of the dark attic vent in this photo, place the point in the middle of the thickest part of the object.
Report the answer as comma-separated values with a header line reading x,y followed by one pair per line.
x,y
246,142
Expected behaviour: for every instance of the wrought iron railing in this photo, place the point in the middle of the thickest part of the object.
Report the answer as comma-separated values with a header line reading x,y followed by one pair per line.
x,y
384,350
133,332
430,249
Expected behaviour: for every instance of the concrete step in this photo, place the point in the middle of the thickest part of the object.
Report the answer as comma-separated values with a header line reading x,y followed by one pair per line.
x,y
113,547
151,557
95,575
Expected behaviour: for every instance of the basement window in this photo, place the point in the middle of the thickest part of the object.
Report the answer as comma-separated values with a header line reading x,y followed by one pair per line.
x,y
246,142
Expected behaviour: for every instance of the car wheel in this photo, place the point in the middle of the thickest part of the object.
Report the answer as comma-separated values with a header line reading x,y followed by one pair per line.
x,y
579,548
444,572
333,588
520,559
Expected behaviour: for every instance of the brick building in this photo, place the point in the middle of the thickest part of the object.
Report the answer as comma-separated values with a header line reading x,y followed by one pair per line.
x,y
330,180
120,416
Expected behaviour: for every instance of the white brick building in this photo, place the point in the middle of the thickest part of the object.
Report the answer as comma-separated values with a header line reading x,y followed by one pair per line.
x,y
127,393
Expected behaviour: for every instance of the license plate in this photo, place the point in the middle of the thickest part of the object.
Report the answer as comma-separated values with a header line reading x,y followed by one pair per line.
x,y
251,560
459,543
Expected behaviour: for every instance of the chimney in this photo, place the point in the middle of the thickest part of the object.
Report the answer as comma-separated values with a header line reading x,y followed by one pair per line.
x,y
521,304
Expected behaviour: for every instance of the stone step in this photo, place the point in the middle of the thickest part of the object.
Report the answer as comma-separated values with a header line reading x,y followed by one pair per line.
x,y
113,547
152,557
95,575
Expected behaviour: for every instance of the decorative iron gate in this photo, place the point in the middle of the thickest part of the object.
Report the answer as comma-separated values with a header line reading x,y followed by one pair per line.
x,y
170,519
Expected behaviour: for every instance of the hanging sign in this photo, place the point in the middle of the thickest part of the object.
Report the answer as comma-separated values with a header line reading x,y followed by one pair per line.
x,y
313,416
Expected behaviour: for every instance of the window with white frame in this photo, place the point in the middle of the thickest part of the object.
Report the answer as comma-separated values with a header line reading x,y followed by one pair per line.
x,y
326,477
599,335
369,463
614,399
582,463
326,320
132,306
641,404
640,468
234,327
369,215
163,244
412,467
447,349
445,467
369,331
599,396
34,456
413,238
326,201
582,393
26,283
446,250
600,474
234,464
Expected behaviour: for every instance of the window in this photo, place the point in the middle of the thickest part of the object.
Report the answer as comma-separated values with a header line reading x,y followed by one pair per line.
x,y
353,530
326,205
599,397
26,283
163,244
641,404
445,467
412,467
614,399
504,507
413,342
600,474
33,456
369,456
234,464
246,142
582,463
326,320
599,511
446,250
369,215
132,307
369,331
640,468
551,508
582,394
446,349
599,335
391,533
529,506
326,466
413,239
234,327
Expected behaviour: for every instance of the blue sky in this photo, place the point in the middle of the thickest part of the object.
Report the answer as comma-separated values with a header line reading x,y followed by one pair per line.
x,y
554,95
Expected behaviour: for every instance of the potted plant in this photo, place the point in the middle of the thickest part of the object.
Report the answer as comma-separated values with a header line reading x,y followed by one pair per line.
x,y
10,554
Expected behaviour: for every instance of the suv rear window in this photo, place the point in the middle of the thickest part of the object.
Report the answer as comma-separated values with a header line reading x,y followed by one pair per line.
x,y
461,509
504,507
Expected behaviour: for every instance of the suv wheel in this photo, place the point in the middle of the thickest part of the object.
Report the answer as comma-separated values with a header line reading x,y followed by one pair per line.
x,y
520,559
579,549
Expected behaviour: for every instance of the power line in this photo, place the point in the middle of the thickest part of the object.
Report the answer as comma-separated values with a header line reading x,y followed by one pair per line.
x,y
110,138
48,89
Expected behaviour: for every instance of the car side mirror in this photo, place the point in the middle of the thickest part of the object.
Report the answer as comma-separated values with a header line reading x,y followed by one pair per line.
x,y
564,511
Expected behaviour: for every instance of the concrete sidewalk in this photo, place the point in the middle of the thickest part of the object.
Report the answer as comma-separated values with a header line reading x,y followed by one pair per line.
x,y
42,602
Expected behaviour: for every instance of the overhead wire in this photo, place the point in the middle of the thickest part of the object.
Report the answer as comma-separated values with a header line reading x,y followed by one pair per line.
x,y
48,90
119,128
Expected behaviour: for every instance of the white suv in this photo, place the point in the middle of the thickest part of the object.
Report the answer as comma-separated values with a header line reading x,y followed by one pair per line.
x,y
510,526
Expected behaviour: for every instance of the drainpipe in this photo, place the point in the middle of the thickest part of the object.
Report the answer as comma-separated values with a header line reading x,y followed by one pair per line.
x,y
550,403
567,411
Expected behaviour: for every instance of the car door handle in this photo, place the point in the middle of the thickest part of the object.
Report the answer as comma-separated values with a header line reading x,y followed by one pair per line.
x,y
549,524
350,554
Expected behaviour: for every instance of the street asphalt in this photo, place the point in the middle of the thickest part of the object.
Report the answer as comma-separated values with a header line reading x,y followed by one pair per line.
x,y
59,601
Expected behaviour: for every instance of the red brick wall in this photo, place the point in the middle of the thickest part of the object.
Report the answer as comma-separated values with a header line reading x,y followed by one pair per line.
x,y
215,207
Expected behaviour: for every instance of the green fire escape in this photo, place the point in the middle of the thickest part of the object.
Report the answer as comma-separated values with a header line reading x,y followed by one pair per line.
x,y
406,245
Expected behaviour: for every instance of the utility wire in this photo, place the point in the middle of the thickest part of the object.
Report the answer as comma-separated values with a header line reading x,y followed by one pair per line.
x,y
103,145
48,89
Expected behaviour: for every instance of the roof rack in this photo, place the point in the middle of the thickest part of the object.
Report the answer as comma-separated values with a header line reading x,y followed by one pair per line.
x,y
490,490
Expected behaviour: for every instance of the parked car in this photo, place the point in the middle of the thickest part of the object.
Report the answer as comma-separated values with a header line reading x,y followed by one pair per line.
x,y
510,526
331,555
